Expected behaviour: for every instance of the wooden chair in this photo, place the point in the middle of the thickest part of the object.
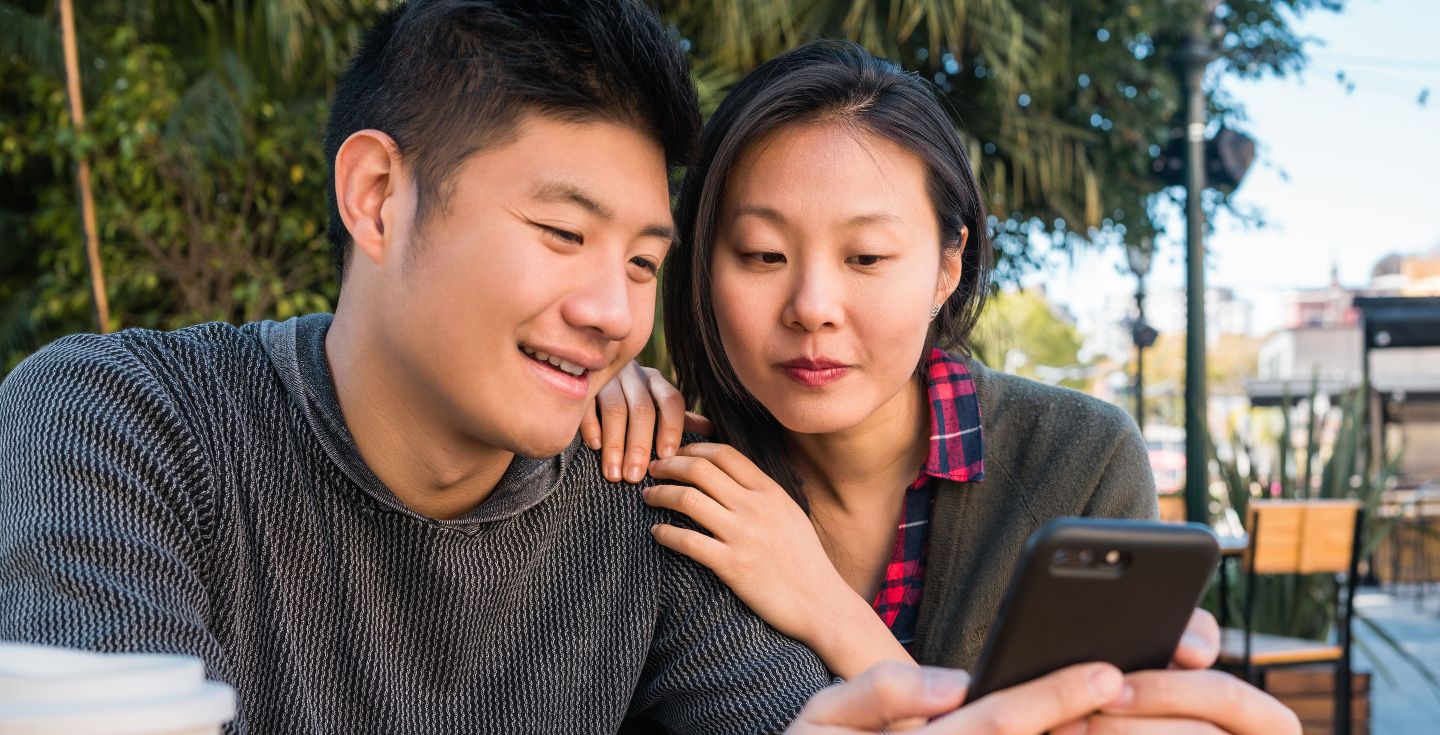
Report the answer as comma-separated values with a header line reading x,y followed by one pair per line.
x,y
1172,507
1300,537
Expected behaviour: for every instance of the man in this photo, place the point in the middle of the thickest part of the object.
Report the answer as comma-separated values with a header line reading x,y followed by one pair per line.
x,y
383,521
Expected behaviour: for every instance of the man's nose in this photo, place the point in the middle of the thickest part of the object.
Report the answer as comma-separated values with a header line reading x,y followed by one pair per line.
x,y
601,301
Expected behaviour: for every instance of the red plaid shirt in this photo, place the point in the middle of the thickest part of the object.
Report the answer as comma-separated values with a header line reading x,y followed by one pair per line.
x,y
956,454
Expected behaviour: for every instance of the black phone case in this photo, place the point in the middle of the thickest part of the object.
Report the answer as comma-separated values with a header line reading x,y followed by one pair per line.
x,y
1134,619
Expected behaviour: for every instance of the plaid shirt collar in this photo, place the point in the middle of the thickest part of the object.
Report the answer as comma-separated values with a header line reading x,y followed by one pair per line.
x,y
956,449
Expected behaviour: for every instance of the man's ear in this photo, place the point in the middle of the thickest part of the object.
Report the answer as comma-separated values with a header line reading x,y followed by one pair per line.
x,y
368,174
951,267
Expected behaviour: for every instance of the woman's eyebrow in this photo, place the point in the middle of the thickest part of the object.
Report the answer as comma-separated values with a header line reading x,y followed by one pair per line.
x,y
773,215
874,218
761,211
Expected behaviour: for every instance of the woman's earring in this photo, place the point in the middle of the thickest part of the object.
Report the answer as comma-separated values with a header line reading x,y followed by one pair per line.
x,y
935,311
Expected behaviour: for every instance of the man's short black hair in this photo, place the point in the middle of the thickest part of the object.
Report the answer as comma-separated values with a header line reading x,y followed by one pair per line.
x,y
446,78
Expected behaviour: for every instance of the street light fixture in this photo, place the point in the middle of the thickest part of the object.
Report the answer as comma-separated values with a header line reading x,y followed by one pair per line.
x,y
1141,333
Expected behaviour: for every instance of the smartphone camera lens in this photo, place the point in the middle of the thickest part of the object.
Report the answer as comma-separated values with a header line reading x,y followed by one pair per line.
x,y
1062,558
1086,557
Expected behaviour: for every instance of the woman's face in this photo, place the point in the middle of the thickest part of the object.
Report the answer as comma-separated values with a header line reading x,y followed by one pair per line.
x,y
826,265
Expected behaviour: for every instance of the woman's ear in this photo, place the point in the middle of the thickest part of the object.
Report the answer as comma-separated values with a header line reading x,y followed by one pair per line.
x,y
368,170
951,267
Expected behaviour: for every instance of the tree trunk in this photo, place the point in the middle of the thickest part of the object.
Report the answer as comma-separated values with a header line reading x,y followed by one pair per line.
x,y
82,178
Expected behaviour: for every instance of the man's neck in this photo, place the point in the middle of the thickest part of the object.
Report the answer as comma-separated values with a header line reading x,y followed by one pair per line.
x,y
873,462
428,465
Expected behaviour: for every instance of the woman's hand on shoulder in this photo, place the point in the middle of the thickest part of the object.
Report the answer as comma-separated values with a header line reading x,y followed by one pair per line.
x,y
637,411
761,543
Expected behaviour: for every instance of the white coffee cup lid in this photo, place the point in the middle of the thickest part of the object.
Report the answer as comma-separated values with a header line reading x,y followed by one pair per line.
x,y
55,691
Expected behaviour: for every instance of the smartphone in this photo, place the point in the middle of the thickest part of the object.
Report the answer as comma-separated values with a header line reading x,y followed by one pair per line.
x,y
1091,589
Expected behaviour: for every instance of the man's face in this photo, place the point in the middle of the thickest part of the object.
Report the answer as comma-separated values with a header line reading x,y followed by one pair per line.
x,y
516,301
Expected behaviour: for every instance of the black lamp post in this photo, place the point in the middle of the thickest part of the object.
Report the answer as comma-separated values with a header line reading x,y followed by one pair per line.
x,y
1140,331
1196,163
1195,55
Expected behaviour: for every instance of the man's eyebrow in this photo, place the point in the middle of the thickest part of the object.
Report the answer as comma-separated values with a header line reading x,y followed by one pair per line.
x,y
559,191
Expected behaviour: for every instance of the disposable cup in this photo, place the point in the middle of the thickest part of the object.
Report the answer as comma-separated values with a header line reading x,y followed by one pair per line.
x,y
60,691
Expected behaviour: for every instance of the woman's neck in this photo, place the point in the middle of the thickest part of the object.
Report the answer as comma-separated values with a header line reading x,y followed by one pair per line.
x,y
869,463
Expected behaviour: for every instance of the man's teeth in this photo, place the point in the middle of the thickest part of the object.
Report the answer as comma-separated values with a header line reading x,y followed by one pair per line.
x,y
568,367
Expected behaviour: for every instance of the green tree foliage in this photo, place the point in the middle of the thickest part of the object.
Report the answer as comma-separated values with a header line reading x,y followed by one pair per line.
x,y
205,122
1065,103
1020,331
203,128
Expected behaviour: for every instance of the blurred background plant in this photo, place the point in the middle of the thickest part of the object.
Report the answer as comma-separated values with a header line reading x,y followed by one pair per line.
x,y
205,126
1325,457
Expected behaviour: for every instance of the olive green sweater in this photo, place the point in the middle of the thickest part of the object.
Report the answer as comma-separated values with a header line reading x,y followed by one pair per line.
x,y
1049,452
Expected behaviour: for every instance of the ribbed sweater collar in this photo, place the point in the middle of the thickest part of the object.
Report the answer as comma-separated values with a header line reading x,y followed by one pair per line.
x,y
296,348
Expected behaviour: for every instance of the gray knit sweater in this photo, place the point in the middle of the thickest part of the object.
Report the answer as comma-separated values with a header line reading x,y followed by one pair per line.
x,y
197,492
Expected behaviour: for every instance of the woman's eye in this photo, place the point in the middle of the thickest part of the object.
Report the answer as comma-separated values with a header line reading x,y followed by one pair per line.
x,y
867,260
767,258
646,264
565,236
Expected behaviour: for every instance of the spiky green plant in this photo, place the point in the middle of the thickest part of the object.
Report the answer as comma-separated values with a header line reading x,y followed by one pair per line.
x,y
1303,606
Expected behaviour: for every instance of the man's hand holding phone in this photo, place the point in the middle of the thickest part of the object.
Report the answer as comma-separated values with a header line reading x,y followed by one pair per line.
x,y
894,698
1093,699
893,693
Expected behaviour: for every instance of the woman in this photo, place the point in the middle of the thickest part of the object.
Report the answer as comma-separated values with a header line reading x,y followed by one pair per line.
x,y
832,238
833,241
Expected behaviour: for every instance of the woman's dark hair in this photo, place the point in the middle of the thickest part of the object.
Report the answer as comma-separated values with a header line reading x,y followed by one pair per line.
x,y
447,78
832,82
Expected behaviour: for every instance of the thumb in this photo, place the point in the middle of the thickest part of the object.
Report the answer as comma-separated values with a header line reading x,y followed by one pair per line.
x,y
888,693
697,424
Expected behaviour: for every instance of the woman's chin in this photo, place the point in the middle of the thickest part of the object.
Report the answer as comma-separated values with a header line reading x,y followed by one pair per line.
x,y
818,419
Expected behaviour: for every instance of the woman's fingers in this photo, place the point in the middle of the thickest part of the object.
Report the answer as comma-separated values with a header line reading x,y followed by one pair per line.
x,y
731,462
638,410
1208,696
672,415
640,422
691,503
697,424
700,472
703,549
614,415
590,424
1200,645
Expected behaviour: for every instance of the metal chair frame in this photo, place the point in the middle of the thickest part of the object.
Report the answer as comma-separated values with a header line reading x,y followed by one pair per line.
x,y
1344,619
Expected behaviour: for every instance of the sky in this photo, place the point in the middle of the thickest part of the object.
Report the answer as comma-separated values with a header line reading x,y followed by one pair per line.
x,y
1341,177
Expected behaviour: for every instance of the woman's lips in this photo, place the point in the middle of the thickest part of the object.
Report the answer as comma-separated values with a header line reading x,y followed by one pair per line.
x,y
814,373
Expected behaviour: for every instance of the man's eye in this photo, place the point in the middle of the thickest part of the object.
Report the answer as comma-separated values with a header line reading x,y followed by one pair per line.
x,y
565,236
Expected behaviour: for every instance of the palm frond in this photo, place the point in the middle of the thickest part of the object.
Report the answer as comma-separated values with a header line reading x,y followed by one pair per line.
x,y
33,38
